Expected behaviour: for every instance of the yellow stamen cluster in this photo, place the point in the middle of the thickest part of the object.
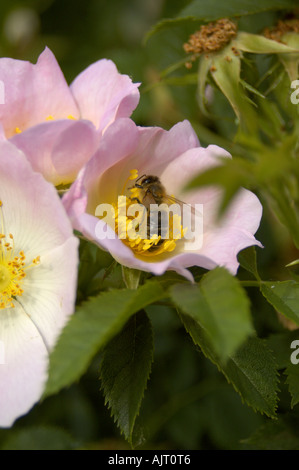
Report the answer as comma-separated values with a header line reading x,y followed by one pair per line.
x,y
128,233
12,268
210,38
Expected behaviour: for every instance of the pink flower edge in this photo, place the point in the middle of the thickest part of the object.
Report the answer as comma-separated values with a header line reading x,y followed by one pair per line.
x,y
175,156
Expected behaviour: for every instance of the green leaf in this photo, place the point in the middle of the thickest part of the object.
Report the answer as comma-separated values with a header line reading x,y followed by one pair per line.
x,y
226,74
95,323
220,306
292,263
251,370
257,44
281,434
284,296
291,61
283,203
247,259
39,438
211,10
125,370
251,89
292,372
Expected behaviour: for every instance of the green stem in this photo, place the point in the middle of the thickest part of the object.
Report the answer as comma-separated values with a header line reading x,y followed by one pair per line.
x,y
131,277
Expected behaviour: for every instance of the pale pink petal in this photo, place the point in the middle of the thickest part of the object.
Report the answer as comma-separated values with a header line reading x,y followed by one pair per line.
x,y
103,94
49,294
58,149
223,246
187,165
222,239
145,149
75,199
158,147
2,133
119,140
33,92
41,223
24,372
33,214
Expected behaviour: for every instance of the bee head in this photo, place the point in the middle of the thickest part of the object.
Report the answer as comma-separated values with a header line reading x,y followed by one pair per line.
x,y
147,180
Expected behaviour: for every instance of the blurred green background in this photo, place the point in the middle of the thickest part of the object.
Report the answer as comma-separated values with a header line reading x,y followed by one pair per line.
x,y
82,32
188,404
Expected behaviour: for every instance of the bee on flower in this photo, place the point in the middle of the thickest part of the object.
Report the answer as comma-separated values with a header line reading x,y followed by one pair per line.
x,y
143,165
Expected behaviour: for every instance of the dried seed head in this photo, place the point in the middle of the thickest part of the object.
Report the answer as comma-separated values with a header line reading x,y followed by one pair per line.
x,y
276,32
211,37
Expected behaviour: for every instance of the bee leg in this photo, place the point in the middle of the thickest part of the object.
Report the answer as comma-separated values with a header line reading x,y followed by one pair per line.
x,y
135,199
139,179
136,185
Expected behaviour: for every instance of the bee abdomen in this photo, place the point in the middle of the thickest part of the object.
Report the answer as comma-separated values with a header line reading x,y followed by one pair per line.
x,y
155,228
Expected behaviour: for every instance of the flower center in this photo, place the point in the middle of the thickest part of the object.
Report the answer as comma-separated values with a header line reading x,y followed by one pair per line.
x,y
5,277
149,241
12,268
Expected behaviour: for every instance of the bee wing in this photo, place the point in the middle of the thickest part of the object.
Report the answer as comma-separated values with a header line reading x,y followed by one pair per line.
x,y
172,199
191,222
148,199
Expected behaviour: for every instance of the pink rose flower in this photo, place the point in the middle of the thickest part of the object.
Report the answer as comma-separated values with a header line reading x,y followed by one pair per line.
x,y
175,156
56,125
38,277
